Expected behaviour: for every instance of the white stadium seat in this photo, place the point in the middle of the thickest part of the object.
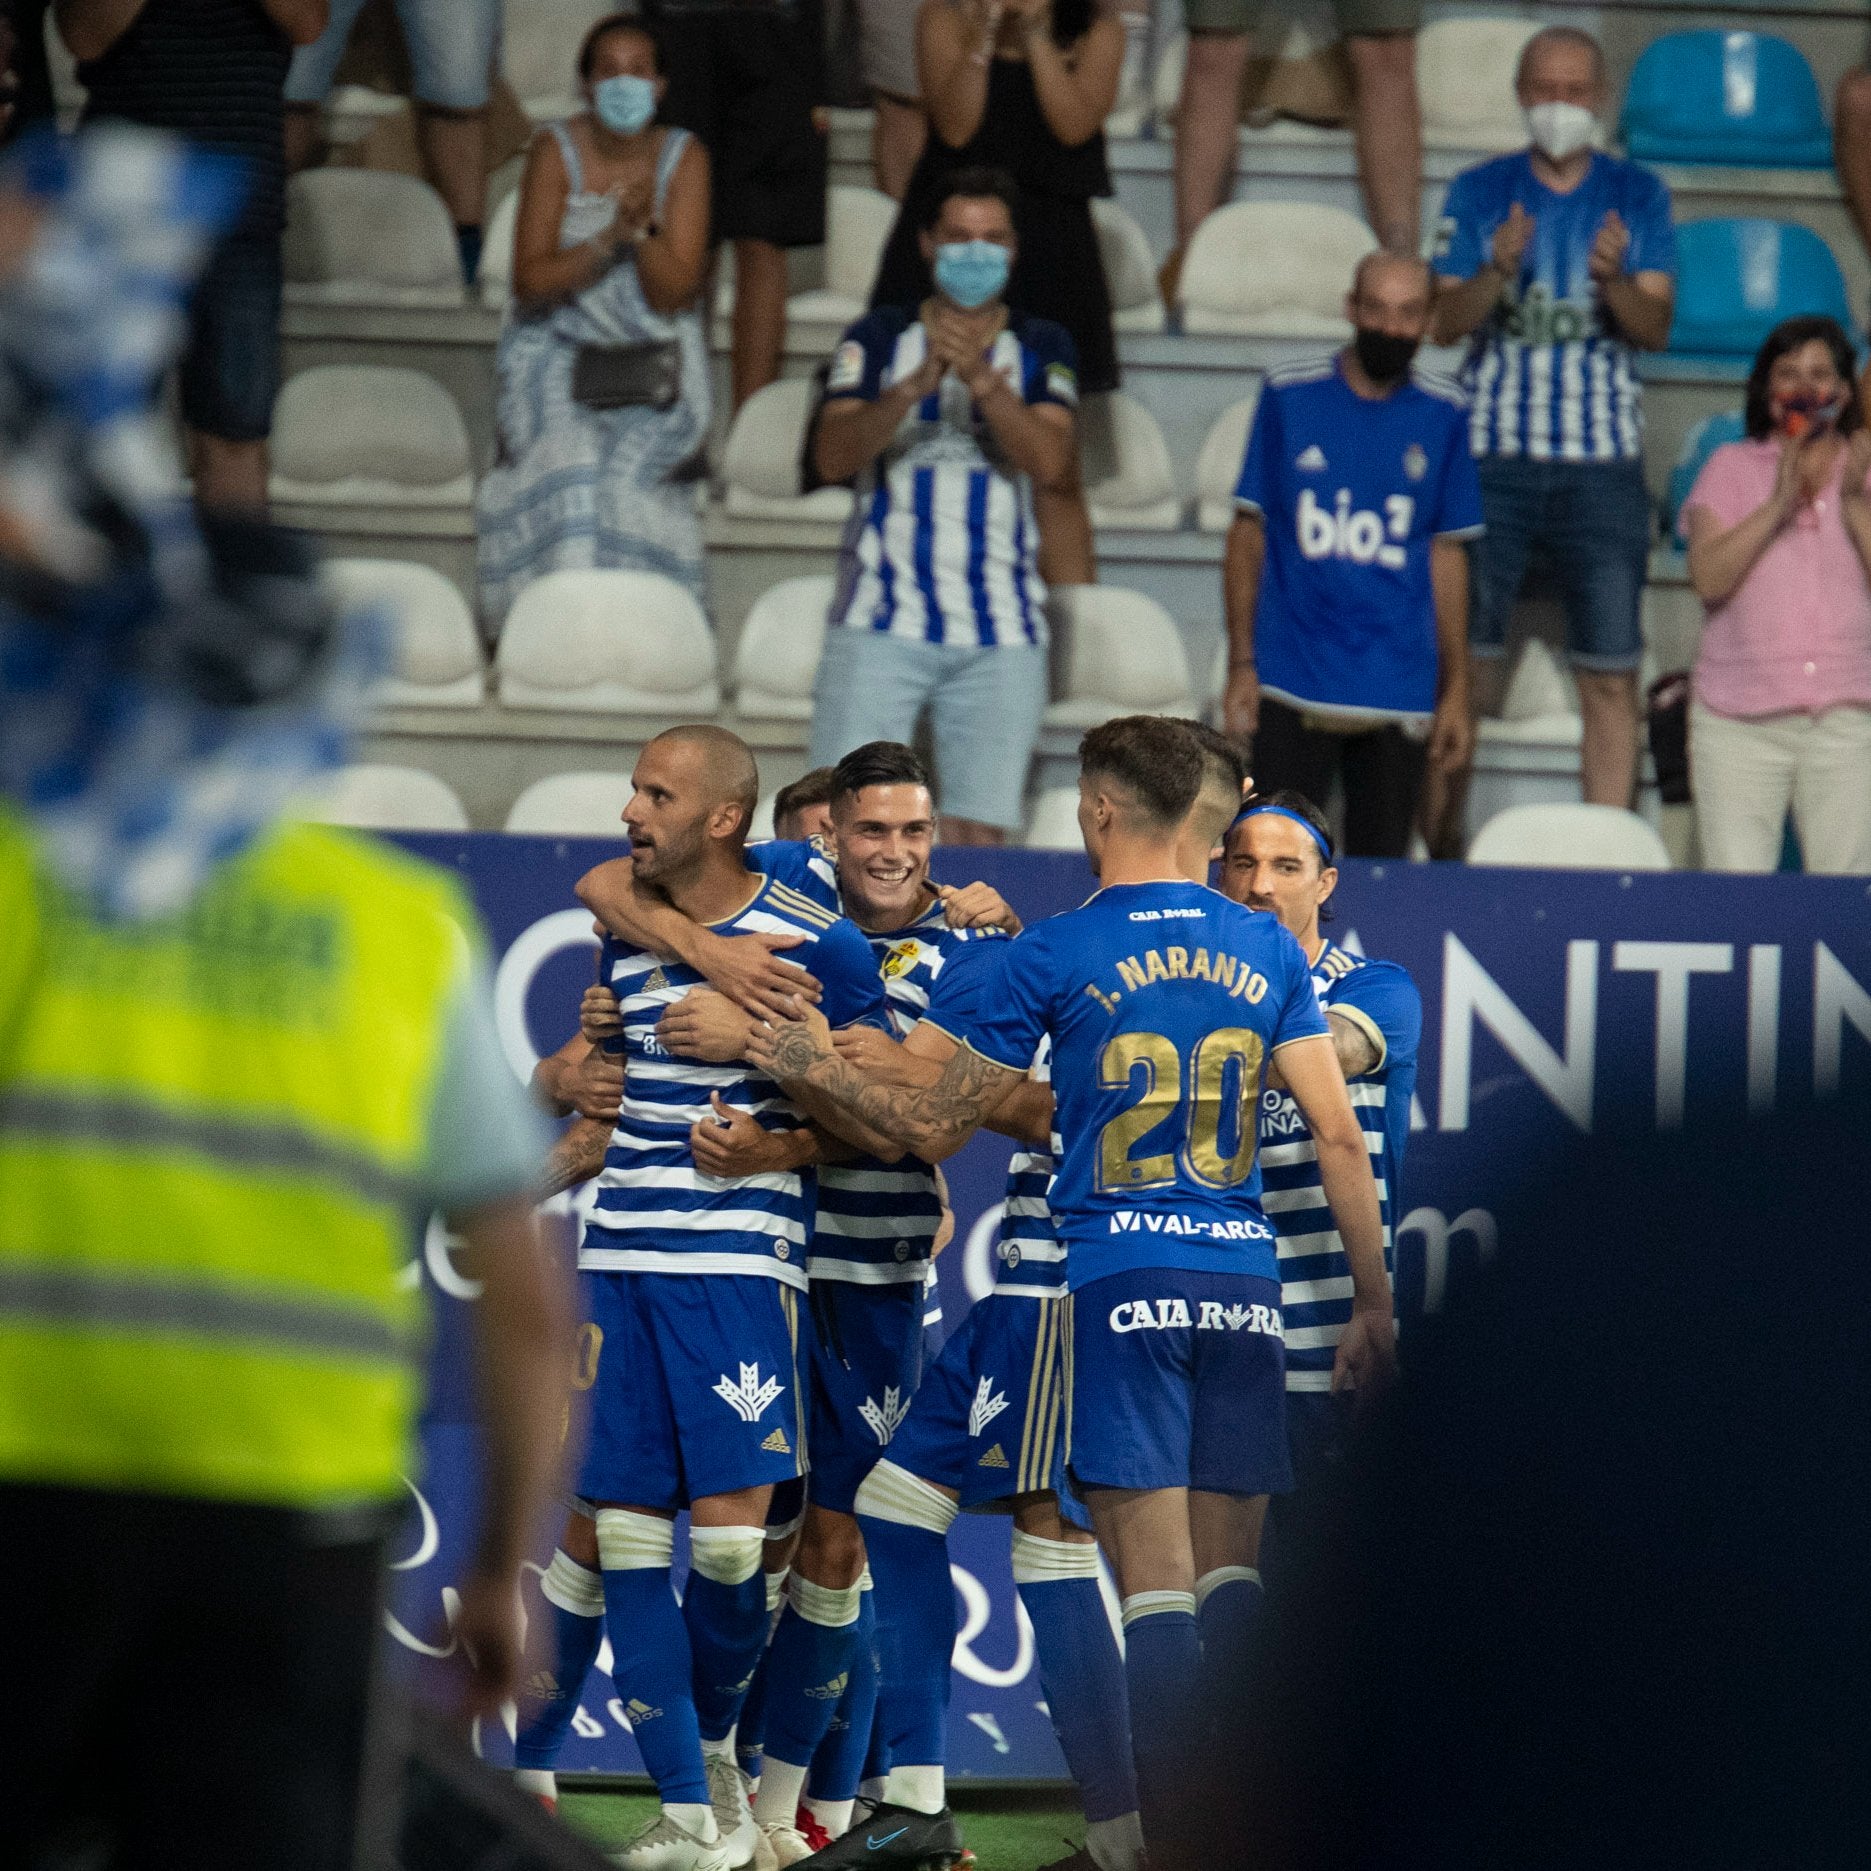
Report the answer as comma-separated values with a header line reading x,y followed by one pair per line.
x,y
1272,269
1218,467
369,434
1575,837
857,224
1129,479
365,237
1541,705
607,642
1465,81
496,283
1054,824
436,655
760,464
572,805
1116,652
1129,269
538,48
779,649
388,799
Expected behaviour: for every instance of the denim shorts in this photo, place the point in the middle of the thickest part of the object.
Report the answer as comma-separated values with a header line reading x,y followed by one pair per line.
x,y
985,707
229,373
1590,523
451,51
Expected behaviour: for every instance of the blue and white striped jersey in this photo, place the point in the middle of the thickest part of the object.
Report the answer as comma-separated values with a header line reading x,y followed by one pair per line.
x,y
1549,375
942,545
1315,1278
655,1212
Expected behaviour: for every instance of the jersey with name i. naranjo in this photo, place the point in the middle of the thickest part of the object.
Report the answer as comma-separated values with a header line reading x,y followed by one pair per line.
x,y
1353,493
655,1211
1164,1001
1315,1276
876,1222
942,545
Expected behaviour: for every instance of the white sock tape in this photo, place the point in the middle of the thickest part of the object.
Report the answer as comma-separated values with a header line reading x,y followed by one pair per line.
x,y
776,1590
1156,1604
833,1606
573,1587
892,1493
728,1555
1223,1575
632,1542
1035,1559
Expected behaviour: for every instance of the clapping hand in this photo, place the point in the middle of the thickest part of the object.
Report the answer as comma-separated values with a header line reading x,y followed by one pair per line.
x,y
1609,246
1509,245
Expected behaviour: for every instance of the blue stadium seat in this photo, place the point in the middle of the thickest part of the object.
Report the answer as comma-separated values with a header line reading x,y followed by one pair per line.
x,y
1737,279
1699,444
1741,98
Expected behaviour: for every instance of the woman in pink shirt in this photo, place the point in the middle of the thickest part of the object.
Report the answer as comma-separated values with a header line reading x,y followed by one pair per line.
x,y
1780,554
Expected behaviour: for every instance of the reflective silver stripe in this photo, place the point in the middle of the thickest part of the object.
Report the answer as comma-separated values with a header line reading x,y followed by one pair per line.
x,y
57,1296
125,1122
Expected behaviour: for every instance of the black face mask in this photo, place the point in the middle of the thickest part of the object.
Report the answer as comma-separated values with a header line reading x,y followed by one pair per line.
x,y
1383,359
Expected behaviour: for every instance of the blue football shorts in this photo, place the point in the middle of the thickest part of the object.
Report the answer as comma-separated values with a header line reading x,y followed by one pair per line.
x,y
697,1387
1178,1380
866,1361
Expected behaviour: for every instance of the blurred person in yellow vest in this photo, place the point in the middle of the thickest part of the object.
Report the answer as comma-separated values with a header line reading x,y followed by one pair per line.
x,y
241,1060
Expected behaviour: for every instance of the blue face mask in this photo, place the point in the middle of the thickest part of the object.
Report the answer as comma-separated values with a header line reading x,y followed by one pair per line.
x,y
971,272
625,103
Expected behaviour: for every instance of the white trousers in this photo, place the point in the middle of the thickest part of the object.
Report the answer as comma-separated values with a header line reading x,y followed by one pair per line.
x,y
1746,773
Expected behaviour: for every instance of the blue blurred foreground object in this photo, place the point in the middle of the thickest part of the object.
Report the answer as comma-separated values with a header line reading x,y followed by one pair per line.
x,y
1744,99
167,681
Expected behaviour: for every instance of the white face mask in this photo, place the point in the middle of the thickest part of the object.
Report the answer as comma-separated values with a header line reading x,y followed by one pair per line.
x,y
1560,130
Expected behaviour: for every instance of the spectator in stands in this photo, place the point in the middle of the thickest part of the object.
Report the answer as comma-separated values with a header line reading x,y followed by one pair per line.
x,y
949,414
887,54
1380,41
1024,86
25,73
1557,263
804,809
213,70
451,50
1346,576
1779,550
602,371
748,78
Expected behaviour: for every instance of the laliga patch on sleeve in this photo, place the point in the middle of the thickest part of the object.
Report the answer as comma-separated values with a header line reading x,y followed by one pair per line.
x,y
847,371
1062,384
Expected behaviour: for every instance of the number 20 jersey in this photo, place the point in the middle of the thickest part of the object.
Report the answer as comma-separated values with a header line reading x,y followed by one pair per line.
x,y
1164,1002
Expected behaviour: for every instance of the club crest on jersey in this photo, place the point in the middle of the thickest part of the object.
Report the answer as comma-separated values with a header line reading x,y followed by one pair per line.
x,y
902,959
1415,461
988,1404
751,1396
885,1419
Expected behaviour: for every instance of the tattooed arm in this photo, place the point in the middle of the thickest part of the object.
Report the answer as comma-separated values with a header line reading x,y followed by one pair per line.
x,y
576,1157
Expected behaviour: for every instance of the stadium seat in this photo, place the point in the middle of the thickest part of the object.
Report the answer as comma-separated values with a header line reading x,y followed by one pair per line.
x,y
1115,652
376,798
572,805
496,281
368,435
857,223
1574,837
1129,269
1054,824
1745,99
1218,467
760,464
607,642
437,660
365,237
1272,269
1465,82
1738,278
779,649
1727,425
538,44
1129,479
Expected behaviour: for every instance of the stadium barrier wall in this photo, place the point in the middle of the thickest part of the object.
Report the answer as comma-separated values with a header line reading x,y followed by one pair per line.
x,y
1555,1003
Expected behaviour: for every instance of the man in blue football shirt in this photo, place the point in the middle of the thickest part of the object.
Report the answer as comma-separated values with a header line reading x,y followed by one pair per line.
x,y
1163,1003
1557,263
1345,580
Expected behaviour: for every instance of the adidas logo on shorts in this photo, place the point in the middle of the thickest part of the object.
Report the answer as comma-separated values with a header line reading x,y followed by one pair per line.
x,y
996,1457
776,1443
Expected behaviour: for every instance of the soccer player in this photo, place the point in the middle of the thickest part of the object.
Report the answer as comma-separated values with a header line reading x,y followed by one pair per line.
x,y
1279,857
1163,1002
804,809
694,1329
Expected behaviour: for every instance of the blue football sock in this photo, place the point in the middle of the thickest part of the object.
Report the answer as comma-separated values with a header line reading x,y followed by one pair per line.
x,y
1162,1661
811,1659
725,1609
838,1765
1079,1669
750,1732
1228,1602
651,1661
549,1698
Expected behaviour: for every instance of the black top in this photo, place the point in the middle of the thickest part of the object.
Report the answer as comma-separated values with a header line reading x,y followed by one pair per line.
x,y
1013,134
214,70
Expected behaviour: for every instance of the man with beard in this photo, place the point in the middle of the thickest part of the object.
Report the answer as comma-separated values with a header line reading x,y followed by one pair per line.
x,y
1345,580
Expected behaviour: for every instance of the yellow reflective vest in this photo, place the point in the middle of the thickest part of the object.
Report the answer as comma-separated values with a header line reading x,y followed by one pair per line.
x,y
210,1129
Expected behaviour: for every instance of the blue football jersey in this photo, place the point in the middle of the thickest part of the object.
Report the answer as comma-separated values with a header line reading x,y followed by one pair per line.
x,y
655,1211
1354,492
1163,1002
1315,1277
